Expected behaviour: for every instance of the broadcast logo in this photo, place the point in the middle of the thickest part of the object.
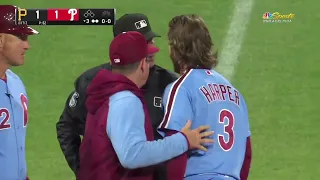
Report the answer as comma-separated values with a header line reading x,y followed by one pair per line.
x,y
277,17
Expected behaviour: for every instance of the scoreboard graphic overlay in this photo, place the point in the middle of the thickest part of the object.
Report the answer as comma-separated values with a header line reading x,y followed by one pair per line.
x,y
64,16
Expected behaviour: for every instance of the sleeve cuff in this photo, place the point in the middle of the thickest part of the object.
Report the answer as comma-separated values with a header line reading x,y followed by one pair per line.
x,y
188,143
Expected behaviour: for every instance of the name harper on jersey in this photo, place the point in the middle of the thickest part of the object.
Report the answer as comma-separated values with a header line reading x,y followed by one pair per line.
x,y
220,92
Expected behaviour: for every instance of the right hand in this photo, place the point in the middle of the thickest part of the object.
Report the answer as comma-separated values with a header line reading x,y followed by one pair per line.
x,y
197,137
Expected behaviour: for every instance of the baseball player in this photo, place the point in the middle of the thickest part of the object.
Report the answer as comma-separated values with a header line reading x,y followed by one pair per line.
x,y
205,97
13,96
71,124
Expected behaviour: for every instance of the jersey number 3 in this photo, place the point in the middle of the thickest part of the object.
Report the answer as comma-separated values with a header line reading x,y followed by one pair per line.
x,y
226,116
5,114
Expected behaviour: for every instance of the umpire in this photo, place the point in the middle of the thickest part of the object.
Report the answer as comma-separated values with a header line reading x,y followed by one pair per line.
x,y
72,120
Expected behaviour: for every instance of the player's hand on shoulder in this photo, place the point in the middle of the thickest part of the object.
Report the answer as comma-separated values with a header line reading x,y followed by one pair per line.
x,y
197,137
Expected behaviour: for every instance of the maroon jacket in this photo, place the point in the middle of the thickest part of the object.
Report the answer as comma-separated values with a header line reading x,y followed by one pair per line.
x,y
98,160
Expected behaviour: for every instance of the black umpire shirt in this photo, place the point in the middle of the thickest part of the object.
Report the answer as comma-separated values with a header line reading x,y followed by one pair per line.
x,y
71,124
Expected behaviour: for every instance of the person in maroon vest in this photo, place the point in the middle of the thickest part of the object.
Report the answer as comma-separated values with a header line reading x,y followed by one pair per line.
x,y
118,142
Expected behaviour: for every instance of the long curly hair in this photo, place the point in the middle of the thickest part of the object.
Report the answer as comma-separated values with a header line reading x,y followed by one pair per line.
x,y
190,43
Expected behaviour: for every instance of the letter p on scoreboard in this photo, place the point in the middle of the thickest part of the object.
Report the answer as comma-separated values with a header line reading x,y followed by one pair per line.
x,y
63,15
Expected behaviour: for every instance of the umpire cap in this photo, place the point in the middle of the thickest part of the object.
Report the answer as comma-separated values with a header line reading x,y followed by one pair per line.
x,y
134,22
8,22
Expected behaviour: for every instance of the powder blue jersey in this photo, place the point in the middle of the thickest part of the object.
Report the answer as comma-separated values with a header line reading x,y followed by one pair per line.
x,y
207,98
13,123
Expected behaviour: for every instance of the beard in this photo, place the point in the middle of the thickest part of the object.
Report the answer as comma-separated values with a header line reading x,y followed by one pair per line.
x,y
176,65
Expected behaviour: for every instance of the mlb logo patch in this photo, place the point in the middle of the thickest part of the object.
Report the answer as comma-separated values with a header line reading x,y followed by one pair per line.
x,y
209,72
141,24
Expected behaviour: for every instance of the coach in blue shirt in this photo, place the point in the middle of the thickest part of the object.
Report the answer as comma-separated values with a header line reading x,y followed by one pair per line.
x,y
13,96
119,142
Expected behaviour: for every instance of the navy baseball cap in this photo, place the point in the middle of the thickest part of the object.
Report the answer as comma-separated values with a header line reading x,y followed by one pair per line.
x,y
129,47
134,22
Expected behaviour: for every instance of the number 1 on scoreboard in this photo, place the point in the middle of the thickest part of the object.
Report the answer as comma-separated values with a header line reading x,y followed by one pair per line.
x,y
56,12
38,14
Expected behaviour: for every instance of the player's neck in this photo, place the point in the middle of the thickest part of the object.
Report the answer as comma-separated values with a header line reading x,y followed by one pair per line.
x,y
2,74
3,68
132,77
134,80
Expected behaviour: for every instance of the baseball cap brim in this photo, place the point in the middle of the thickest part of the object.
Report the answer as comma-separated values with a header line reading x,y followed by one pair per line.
x,y
31,31
152,49
150,35
25,30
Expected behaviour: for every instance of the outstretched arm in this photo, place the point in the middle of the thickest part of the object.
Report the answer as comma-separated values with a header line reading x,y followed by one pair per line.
x,y
126,130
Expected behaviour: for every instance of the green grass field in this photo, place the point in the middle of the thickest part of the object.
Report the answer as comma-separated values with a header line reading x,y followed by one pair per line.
x,y
278,72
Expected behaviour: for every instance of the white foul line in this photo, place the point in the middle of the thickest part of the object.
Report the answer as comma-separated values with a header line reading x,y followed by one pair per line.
x,y
232,44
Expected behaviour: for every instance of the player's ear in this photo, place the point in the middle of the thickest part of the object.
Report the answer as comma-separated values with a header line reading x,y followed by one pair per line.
x,y
144,64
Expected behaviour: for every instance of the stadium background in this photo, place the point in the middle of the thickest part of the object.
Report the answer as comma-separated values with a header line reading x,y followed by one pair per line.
x,y
277,72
